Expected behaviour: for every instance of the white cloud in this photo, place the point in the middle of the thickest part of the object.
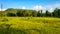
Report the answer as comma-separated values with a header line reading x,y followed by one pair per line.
x,y
37,7
23,7
2,9
50,8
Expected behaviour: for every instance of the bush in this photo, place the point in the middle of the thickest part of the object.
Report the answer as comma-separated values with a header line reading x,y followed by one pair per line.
x,y
11,14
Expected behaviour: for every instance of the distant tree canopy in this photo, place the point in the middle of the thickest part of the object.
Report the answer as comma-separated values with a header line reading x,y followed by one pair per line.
x,y
28,13
56,13
11,14
38,14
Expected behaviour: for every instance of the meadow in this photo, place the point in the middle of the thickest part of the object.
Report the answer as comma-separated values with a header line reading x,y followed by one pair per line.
x,y
29,25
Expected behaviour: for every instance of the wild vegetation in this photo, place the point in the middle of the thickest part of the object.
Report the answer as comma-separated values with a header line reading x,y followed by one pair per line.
x,y
19,21
29,25
29,13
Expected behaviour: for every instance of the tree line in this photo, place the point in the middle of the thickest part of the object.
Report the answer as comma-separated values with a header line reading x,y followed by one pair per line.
x,y
29,13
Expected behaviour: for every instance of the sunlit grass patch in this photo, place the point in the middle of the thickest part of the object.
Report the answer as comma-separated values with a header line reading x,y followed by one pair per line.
x,y
31,25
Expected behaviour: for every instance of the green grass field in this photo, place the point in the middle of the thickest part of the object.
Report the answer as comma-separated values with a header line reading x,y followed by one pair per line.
x,y
29,25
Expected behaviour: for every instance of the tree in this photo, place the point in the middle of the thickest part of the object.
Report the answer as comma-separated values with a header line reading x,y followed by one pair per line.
x,y
38,14
55,13
59,13
41,13
47,13
34,13
11,14
19,13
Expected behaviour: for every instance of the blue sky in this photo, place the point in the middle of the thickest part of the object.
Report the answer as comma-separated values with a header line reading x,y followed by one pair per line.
x,y
31,4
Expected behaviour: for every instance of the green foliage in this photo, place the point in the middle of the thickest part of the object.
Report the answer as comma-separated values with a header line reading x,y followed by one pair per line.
x,y
38,14
29,25
28,13
55,13
47,13
34,13
59,13
2,14
11,14
19,13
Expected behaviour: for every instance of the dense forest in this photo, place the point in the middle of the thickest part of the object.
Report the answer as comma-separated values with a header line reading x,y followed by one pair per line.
x,y
29,13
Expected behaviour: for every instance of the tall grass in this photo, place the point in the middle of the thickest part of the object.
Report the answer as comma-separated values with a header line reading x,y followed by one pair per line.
x,y
29,25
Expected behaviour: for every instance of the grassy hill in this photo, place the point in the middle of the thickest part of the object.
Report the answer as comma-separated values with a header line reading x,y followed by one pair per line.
x,y
29,25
